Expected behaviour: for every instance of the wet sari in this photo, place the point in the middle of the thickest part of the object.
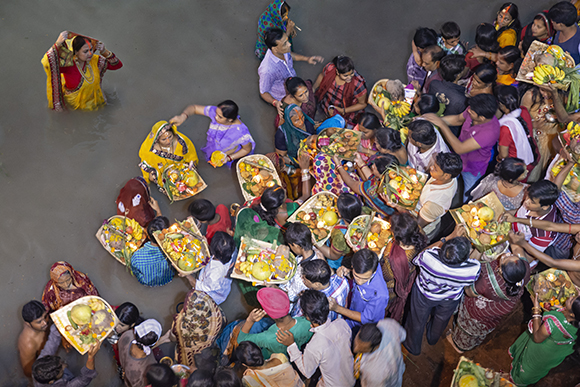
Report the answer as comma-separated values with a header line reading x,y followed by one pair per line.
x,y
154,161
479,316
270,18
54,297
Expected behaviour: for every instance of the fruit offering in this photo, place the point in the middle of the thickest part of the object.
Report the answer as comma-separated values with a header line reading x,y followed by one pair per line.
x,y
310,146
571,183
403,185
255,174
319,213
181,182
340,142
85,321
374,236
121,237
262,262
482,224
553,287
388,98
470,374
186,251
218,159
548,74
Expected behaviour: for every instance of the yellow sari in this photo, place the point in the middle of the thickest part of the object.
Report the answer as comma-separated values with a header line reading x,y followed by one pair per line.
x,y
88,94
154,161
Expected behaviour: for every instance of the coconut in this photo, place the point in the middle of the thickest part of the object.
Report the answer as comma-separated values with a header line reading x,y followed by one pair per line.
x,y
261,271
81,314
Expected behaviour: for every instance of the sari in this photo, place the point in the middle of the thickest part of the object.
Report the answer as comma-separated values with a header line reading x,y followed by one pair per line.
x,y
370,191
282,375
479,316
270,18
54,298
399,274
367,144
292,134
326,176
337,243
88,94
154,161
133,201
532,361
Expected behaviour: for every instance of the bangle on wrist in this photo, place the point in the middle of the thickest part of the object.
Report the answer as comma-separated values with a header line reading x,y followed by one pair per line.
x,y
305,171
531,222
274,103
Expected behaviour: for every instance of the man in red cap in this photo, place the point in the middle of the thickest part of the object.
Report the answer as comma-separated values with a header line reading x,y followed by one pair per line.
x,y
276,305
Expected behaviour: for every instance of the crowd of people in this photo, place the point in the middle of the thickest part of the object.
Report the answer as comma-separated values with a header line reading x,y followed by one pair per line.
x,y
347,316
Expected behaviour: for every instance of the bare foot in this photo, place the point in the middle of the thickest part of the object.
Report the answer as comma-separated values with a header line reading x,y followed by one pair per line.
x,y
450,339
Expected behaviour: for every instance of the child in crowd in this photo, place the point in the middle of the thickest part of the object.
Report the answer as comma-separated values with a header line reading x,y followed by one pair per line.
x,y
424,37
149,264
450,39
212,218
213,279
317,275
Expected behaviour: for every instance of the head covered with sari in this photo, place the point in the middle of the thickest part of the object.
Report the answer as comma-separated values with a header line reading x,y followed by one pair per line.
x,y
271,18
154,161
55,297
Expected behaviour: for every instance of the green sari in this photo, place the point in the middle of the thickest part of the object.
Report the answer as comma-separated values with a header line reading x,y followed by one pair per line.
x,y
532,361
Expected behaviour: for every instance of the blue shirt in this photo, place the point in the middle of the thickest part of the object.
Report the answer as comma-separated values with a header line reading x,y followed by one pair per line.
x,y
150,266
370,299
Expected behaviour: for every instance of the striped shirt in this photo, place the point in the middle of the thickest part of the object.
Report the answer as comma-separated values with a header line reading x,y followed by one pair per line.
x,y
338,289
150,266
570,212
537,238
438,281
273,72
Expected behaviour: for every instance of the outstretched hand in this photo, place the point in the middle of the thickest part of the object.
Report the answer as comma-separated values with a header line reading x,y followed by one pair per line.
x,y
178,120
315,59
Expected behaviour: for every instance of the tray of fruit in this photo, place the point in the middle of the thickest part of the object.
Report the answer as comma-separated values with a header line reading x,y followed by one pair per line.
x,y
184,246
571,184
482,221
546,64
470,374
340,142
394,112
85,321
370,232
264,263
319,214
554,287
403,185
181,182
121,237
310,146
255,174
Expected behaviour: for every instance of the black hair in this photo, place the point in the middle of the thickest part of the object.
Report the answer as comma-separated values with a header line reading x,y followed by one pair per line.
x,y
369,120
527,41
284,8
314,305
202,210
428,103
47,368
484,105
425,37
450,30
370,333
383,162
513,272
576,311
450,163
146,341
200,378
545,191
451,66
293,83
435,52
160,375
33,310
316,270
364,260
563,12
127,313
515,24
349,206
78,43
272,36
510,169
157,224
407,232
389,139
511,54
271,200
508,96
486,37
226,377
222,246
229,109
423,132
208,359
455,251
529,37
487,73
249,354
343,64
298,234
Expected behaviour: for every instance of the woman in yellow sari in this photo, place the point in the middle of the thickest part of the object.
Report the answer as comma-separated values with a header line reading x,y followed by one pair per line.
x,y
74,73
164,146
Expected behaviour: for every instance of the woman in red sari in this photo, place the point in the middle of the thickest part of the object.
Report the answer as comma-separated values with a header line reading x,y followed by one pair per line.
x,y
499,287
65,286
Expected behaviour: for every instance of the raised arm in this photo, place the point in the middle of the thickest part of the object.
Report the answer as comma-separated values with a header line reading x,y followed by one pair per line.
x,y
349,181
459,147
187,112
565,228
310,59
562,264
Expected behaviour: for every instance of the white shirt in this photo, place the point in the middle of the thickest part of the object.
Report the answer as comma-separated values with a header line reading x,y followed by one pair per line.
x,y
213,280
329,349
420,161
434,201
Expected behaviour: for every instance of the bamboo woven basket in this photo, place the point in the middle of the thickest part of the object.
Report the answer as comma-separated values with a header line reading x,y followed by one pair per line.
x,y
307,207
254,159
102,239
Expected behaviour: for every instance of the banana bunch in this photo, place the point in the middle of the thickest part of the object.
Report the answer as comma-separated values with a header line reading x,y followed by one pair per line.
x,y
137,230
246,268
548,74
401,108
574,129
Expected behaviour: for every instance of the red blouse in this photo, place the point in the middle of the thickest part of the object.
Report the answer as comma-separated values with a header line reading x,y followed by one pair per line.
x,y
72,75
